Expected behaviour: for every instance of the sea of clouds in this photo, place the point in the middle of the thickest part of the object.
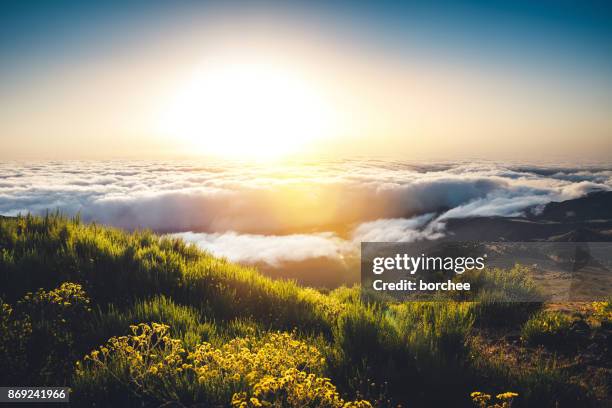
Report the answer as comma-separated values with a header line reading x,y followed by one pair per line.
x,y
261,214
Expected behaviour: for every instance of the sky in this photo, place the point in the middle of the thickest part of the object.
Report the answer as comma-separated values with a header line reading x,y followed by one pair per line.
x,y
264,80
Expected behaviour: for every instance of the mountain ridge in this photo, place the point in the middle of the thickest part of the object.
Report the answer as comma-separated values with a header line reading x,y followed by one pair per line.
x,y
583,219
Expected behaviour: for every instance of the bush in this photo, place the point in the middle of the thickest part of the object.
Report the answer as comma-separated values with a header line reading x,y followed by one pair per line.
x,y
145,365
502,298
548,328
434,330
602,312
40,337
15,334
483,400
382,348
434,338
294,389
157,368
542,384
185,321
494,310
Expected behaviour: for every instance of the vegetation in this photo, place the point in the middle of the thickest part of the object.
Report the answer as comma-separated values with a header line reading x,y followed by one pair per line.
x,y
503,400
547,328
503,297
136,319
602,312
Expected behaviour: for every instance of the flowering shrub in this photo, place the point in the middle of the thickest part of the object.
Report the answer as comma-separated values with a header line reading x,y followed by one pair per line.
x,y
276,370
65,306
14,336
249,359
38,336
145,361
602,311
294,388
482,400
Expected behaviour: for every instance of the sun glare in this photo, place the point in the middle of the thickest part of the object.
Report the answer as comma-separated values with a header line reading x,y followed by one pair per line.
x,y
247,110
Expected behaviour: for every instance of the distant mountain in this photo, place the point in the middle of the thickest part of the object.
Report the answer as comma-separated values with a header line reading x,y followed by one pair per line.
x,y
585,219
594,206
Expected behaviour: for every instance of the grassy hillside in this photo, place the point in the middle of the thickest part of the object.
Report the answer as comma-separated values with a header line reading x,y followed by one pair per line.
x,y
135,319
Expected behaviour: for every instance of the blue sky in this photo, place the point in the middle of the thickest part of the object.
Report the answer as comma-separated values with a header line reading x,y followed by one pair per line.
x,y
513,28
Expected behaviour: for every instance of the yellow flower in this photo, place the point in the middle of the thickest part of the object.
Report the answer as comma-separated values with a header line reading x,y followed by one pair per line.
x,y
506,395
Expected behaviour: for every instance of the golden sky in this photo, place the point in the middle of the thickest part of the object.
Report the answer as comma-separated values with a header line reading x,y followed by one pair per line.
x,y
254,88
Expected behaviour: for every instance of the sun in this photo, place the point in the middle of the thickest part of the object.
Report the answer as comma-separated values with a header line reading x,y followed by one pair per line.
x,y
247,109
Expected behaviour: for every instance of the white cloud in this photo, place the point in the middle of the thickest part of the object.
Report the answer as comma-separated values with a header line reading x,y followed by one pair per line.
x,y
300,199
272,250
398,230
253,213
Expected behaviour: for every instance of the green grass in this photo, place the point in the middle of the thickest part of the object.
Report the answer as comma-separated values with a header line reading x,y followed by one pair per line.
x,y
503,298
115,267
548,328
414,354
541,384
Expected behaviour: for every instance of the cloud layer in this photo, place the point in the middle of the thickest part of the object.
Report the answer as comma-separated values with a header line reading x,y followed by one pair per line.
x,y
271,249
255,214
